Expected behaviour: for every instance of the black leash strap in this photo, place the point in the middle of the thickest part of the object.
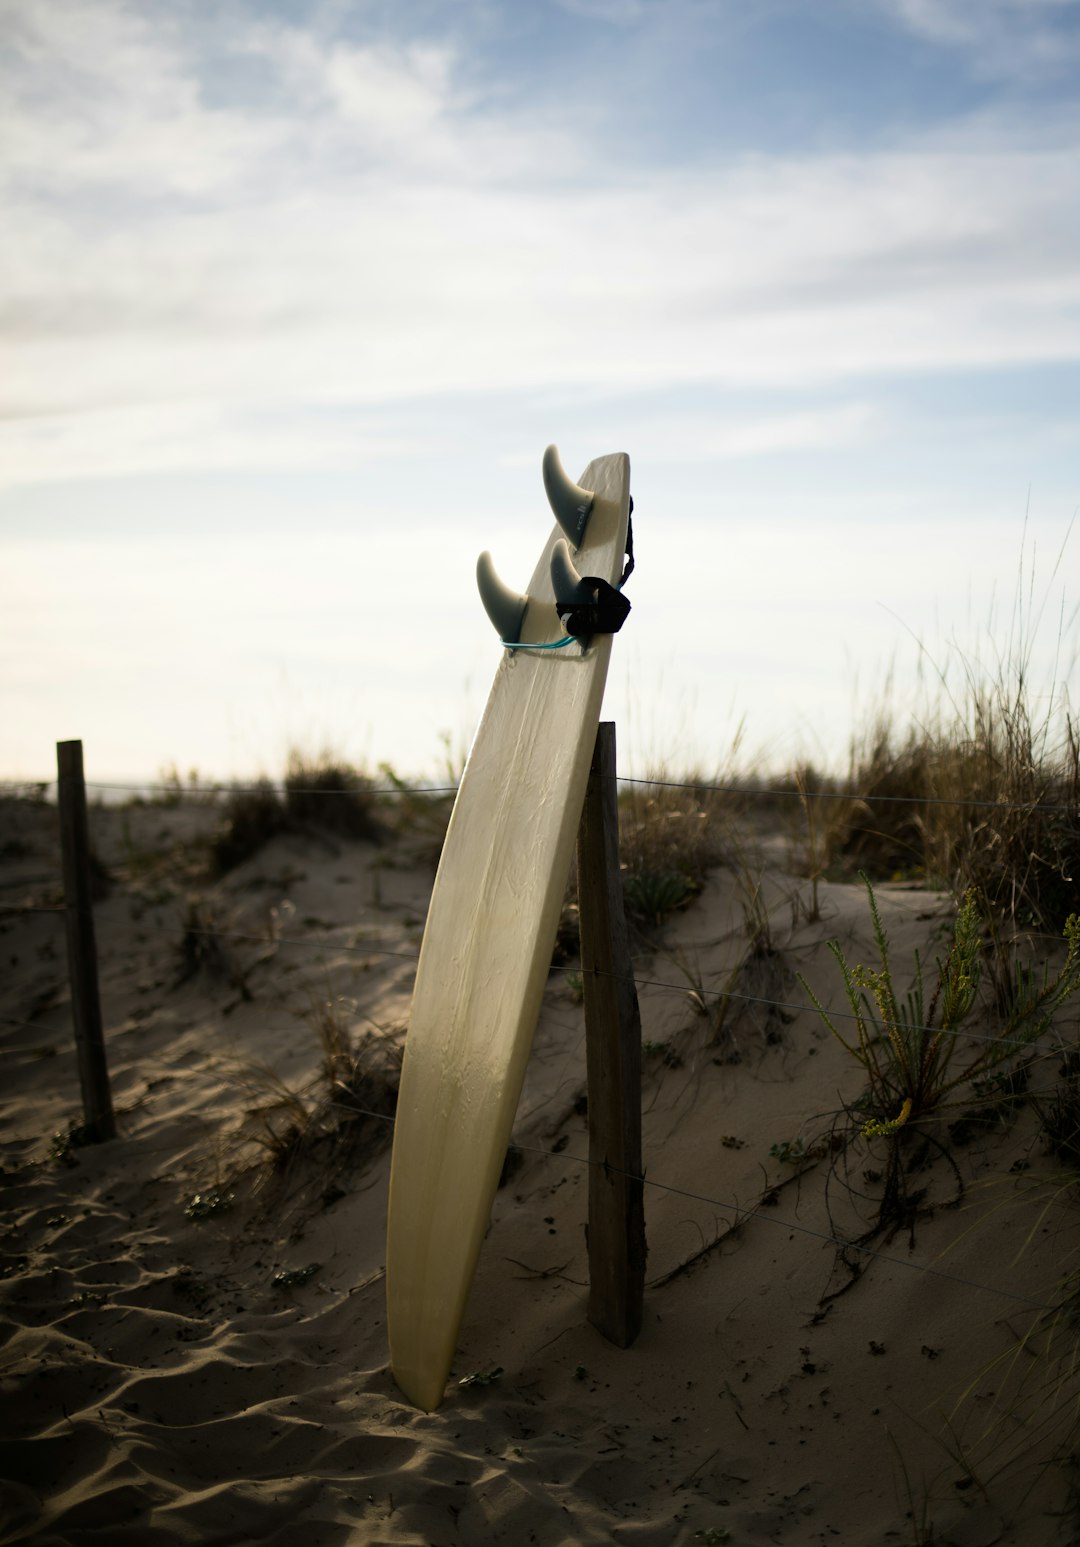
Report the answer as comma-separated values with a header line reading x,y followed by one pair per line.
x,y
609,609
605,614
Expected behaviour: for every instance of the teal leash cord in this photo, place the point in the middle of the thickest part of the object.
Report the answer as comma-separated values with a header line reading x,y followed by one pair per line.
x,y
523,644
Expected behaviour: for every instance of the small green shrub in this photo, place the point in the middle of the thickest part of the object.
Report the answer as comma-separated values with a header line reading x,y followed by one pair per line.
x,y
790,1152
669,832
211,1203
295,1278
651,895
917,1059
478,1379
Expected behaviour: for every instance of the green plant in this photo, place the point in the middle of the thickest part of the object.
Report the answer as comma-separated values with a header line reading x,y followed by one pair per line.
x,y
670,835
668,1056
477,1379
790,1152
1026,997
907,1058
915,1055
652,894
295,1278
63,1144
210,1203
665,828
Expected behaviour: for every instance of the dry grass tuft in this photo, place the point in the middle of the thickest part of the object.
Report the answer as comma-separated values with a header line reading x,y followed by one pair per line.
x,y
310,1136
321,795
670,836
252,818
419,815
325,794
203,948
983,794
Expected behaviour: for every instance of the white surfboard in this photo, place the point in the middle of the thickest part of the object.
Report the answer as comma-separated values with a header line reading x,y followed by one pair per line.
x,y
491,930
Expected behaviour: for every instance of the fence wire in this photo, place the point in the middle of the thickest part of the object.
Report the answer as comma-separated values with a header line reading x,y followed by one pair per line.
x,y
740,1214
177,793
321,942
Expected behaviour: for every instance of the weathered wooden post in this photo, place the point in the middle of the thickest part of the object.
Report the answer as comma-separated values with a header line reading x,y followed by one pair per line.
x,y
616,1232
98,1118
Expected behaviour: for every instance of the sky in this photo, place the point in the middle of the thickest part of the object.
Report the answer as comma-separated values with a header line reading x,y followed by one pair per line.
x,y
293,296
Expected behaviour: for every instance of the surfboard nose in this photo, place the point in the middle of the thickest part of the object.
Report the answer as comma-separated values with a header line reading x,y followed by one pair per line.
x,y
504,607
569,502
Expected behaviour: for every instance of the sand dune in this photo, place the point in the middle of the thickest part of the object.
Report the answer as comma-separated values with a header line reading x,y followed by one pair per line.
x,y
179,1372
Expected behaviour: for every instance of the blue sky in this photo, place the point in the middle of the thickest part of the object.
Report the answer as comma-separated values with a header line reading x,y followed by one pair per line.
x,y
293,296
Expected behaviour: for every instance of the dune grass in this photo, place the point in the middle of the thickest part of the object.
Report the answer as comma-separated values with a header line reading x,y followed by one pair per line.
x,y
671,833
308,1135
983,797
322,795
979,789
918,1059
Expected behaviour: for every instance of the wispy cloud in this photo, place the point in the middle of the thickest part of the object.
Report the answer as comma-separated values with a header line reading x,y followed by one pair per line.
x,y
367,223
101,98
1013,38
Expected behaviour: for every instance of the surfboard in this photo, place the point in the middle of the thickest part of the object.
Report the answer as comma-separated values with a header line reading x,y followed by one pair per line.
x,y
491,924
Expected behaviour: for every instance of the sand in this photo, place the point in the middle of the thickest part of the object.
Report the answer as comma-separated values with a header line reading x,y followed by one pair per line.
x,y
162,1382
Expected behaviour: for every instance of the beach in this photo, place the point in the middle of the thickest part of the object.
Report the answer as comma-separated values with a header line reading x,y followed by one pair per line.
x,y
193,1314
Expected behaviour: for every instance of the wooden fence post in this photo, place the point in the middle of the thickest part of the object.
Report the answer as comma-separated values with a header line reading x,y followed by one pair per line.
x,y
616,1232
98,1118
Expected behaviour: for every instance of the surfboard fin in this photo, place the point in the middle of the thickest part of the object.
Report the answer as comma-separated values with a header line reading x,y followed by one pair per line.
x,y
586,604
504,607
570,503
570,590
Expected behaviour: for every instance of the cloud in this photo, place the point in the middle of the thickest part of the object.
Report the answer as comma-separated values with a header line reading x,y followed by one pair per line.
x,y
1023,39
99,97
787,269
622,12
177,437
368,229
